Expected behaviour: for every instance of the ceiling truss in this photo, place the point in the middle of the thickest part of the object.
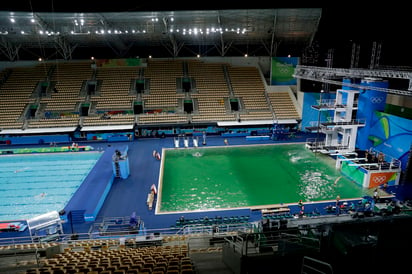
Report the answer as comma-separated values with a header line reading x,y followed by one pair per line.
x,y
332,76
218,32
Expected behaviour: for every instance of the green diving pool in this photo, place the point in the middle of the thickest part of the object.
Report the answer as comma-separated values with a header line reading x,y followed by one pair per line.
x,y
230,177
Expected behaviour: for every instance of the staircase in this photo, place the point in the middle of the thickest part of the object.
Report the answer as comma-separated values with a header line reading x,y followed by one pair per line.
x,y
77,216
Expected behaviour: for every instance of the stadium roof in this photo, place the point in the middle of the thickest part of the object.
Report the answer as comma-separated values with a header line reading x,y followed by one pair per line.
x,y
28,35
312,33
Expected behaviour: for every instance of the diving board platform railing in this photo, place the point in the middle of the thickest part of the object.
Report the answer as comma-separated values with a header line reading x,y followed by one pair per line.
x,y
363,165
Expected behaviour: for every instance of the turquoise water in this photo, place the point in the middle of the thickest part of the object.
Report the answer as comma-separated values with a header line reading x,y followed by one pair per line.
x,y
34,184
248,176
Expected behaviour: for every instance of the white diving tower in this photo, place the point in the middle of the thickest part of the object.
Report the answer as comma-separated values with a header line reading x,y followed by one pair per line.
x,y
340,133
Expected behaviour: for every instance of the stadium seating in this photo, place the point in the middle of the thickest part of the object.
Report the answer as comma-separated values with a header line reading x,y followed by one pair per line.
x,y
213,85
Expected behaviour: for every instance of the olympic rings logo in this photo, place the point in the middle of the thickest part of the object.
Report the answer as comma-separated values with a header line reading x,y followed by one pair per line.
x,y
284,70
379,179
376,100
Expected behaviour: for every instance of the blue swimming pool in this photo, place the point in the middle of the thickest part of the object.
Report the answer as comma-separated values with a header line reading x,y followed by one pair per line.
x,y
33,184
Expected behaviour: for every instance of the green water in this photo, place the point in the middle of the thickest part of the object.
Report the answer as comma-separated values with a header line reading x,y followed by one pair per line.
x,y
198,179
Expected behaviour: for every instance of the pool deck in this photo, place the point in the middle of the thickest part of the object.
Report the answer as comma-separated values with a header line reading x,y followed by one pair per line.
x,y
89,197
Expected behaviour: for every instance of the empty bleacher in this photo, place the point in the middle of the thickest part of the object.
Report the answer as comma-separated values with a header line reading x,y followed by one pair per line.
x,y
58,105
16,93
161,104
69,78
103,257
248,85
212,92
114,92
162,75
64,121
215,84
283,106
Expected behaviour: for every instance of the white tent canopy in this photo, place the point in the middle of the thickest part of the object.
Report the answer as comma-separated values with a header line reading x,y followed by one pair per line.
x,y
257,122
38,130
107,128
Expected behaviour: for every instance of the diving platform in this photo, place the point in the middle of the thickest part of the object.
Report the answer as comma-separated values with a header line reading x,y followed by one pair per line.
x,y
370,174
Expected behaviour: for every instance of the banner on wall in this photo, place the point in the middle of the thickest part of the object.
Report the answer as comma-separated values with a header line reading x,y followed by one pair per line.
x,y
130,62
379,178
310,115
389,134
282,69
